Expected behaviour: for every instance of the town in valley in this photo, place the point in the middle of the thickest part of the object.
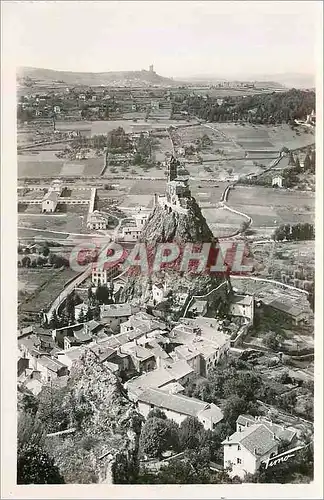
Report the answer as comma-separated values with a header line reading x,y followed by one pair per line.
x,y
176,375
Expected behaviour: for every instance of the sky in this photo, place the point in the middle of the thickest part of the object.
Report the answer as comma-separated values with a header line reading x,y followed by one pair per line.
x,y
180,38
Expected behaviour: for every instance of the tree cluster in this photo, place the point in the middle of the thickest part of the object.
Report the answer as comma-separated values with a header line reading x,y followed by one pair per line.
x,y
272,108
296,232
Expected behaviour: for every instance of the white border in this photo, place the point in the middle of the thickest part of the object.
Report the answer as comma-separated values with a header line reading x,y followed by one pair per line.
x,y
8,320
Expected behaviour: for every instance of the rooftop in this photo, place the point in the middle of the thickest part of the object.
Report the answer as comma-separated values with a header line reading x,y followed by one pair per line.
x,y
286,308
257,439
51,364
281,432
51,195
178,403
115,310
178,369
244,300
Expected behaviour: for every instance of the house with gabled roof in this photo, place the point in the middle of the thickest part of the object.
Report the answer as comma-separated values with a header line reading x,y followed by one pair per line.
x,y
178,407
255,440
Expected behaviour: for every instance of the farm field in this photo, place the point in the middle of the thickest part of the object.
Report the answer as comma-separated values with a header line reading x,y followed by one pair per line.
x,y
103,127
25,233
46,164
39,287
67,223
222,222
282,206
263,137
236,149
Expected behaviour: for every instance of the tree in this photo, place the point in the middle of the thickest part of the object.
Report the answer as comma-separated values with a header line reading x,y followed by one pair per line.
x,y
81,317
40,261
297,165
313,160
291,159
125,468
157,413
190,433
271,340
287,401
243,384
29,403
102,294
26,261
311,296
234,407
34,465
155,437
88,315
46,251
307,162
70,308
90,295
54,321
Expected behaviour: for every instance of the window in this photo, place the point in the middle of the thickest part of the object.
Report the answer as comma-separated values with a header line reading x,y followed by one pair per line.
x,y
238,461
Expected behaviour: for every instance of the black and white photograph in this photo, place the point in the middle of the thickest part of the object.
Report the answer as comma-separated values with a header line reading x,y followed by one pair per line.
x,y
164,221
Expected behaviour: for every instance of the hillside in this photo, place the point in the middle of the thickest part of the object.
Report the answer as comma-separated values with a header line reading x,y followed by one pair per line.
x,y
111,78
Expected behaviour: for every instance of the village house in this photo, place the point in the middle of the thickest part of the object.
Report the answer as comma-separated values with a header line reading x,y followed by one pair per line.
x,y
49,202
143,322
50,369
201,342
256,439
277,181
116,313
157,293
77,334
296,314
242,306
178,407
70,356
30,348
97,220
101,276
130,233
170,378
143,359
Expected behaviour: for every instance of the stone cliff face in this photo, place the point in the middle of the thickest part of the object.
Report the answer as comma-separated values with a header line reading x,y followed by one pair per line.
x,y
166,225
88,455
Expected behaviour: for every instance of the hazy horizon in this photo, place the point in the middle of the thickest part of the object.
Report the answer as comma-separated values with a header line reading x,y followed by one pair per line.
x,y
181,39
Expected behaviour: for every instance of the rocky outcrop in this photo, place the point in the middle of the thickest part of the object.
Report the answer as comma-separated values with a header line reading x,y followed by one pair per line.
x,y
169,225
105,418
166,225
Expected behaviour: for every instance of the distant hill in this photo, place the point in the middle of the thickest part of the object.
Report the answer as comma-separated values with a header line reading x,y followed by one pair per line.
x,y
128,78
288,80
